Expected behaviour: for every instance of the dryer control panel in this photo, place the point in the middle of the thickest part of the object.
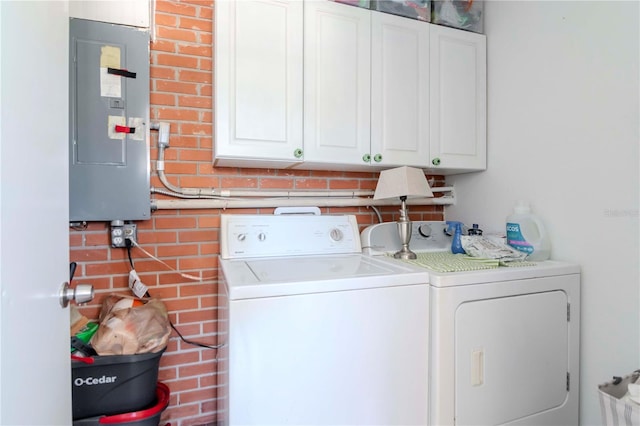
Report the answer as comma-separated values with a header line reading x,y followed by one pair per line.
x,y
383,238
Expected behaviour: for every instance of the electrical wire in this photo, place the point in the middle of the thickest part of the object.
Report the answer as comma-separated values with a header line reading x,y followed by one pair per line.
x,y
191,342
190,277
129,243
377,212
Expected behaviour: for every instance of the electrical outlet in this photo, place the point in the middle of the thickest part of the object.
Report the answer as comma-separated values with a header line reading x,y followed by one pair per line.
x,y
117,236
130,232
121,233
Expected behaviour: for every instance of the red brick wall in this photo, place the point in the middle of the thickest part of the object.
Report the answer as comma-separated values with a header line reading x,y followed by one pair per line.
x,y
187,241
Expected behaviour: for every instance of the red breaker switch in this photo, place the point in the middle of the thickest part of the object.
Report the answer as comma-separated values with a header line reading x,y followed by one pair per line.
x,y
125,129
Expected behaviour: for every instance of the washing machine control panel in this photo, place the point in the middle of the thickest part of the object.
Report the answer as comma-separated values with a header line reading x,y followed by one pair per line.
x,y
246,236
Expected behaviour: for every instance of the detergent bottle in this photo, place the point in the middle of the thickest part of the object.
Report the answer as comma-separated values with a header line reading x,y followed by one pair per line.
x,y
456,242
527,233
475,230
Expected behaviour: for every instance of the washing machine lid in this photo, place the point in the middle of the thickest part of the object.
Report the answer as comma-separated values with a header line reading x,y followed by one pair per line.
x,y
291,275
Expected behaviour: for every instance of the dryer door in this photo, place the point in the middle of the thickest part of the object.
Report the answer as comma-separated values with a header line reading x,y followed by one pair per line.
x,y
511,357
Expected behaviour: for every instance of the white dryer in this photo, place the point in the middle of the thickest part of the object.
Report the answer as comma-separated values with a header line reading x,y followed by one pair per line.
x,y
504,341
316,332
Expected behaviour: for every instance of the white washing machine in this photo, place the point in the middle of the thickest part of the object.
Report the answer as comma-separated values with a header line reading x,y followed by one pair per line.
x,y
314,331
504,341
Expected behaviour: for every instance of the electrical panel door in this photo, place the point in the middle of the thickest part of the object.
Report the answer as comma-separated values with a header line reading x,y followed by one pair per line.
x,y
108,122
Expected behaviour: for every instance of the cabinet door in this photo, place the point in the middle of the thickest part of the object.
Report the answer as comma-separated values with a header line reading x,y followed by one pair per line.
x,y
258,82
399,91
458,99
337,60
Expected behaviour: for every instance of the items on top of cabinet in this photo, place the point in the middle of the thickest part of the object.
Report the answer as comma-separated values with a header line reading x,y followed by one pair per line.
x,y
415,9
359,3
462,14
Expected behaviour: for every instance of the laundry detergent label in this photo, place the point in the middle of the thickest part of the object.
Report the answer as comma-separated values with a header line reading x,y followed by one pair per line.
x,y
516,240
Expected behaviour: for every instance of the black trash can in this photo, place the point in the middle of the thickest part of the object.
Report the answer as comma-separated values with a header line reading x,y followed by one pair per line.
x,y
114,384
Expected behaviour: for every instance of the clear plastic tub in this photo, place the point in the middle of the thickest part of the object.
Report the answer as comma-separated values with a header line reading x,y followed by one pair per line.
x,y
415,9
464,14
359,3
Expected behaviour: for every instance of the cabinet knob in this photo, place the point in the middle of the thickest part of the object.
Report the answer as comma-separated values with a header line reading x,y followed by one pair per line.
x,y
377,158
435,161
297,153
366,158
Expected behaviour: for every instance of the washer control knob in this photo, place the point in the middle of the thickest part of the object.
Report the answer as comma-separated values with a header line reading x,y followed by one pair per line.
x,y
241,237
424,230
336,234
262,236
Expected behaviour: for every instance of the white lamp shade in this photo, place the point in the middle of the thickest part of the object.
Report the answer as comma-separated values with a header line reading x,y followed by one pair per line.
x,y
401,182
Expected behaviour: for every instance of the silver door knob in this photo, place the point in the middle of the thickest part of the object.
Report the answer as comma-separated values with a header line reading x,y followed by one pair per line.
x,y
82,293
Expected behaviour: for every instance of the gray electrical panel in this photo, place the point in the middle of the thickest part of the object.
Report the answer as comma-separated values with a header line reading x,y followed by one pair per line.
x,y
108,122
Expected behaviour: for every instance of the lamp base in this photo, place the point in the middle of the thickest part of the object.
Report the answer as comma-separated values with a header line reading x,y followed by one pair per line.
x,y
405,254
404,232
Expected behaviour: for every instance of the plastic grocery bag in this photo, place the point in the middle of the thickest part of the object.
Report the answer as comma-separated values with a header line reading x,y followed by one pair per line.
x,y
615,403
131,326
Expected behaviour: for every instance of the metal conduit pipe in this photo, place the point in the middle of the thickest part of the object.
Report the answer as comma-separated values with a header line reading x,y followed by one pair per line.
x,y
292,202
162,176
232,193
293,194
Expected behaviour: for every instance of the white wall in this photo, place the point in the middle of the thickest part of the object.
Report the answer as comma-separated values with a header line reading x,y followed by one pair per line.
x,y
563,133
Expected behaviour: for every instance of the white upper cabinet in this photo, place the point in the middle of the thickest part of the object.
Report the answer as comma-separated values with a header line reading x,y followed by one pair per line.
x,y
399,91
323,85
366,88
337,84
458,97
134,13
258,83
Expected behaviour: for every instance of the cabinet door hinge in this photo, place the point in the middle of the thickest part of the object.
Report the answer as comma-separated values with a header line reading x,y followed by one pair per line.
x,y
568,381
568,312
